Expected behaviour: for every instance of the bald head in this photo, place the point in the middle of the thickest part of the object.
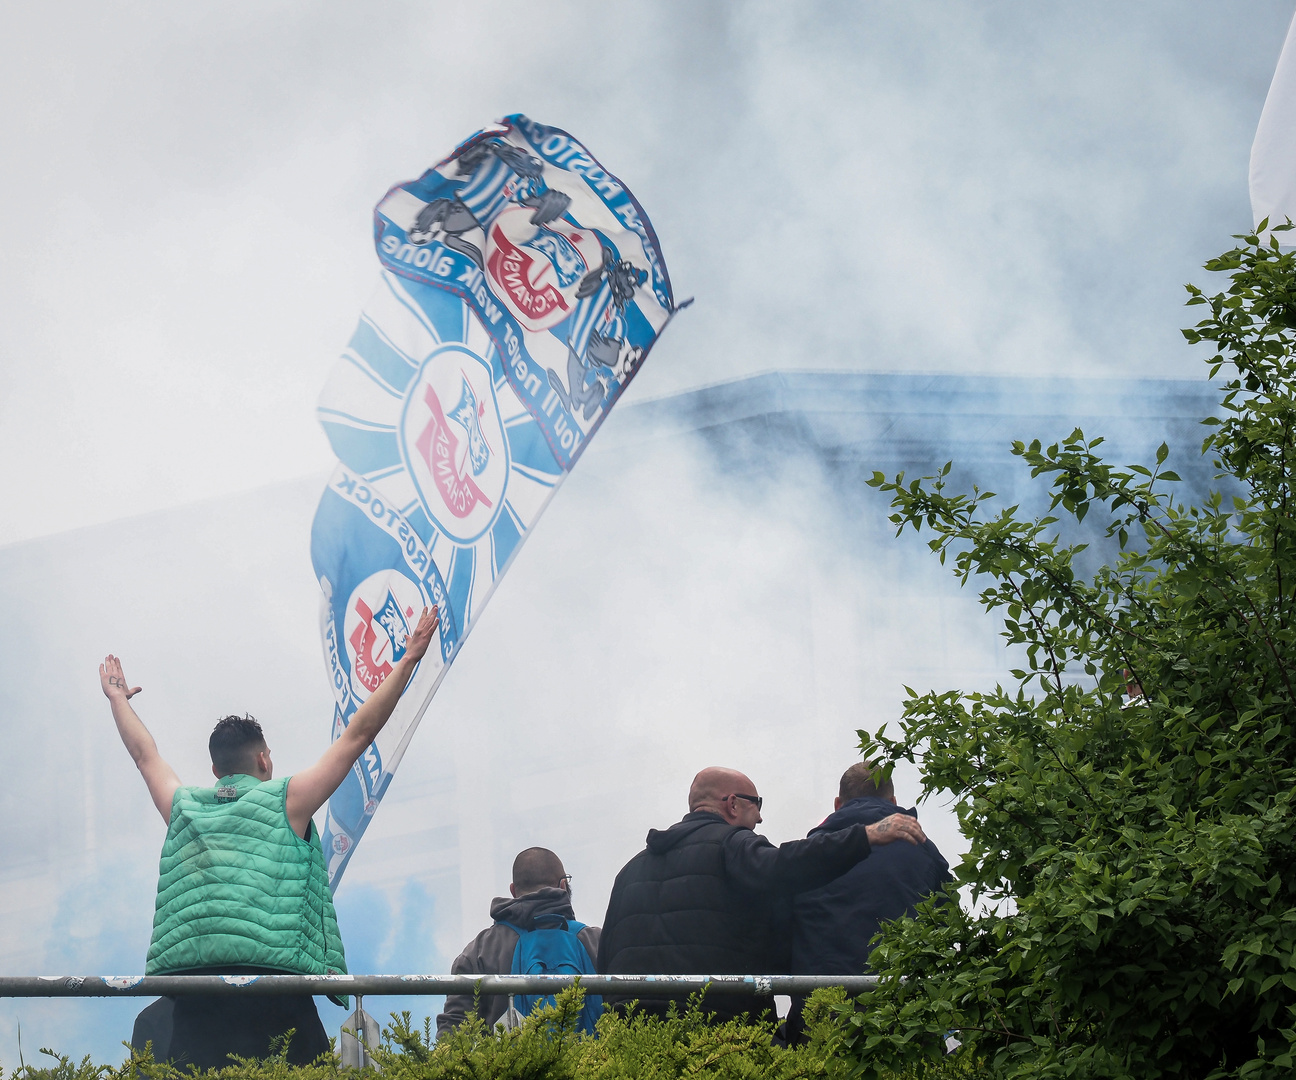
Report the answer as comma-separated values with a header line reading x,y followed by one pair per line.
x,y
713,784
536,868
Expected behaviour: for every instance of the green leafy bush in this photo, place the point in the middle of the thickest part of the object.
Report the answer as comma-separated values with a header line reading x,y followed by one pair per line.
x,y
631,1047
548,1047
1133,860
65,1069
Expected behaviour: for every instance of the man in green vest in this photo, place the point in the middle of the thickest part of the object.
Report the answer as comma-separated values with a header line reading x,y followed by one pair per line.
x,y
242,884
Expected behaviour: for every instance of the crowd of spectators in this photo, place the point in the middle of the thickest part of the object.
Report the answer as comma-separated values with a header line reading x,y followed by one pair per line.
x,y
710,895
243,890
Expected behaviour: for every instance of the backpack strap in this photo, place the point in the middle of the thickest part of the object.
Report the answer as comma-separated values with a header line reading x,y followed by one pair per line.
x,y
552,921
516,999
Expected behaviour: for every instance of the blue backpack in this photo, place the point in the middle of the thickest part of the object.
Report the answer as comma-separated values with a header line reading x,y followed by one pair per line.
x,y
553,949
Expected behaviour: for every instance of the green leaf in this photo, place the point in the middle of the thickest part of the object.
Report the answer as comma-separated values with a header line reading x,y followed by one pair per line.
x,y
1127,897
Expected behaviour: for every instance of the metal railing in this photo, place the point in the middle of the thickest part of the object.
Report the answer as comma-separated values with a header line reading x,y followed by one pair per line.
x,y
657,986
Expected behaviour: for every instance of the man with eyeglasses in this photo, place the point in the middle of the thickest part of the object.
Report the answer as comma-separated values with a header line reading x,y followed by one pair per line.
x,y
710,896
539,897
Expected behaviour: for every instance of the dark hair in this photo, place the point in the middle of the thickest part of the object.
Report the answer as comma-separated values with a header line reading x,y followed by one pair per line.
x,y
535,868
858,781
234,744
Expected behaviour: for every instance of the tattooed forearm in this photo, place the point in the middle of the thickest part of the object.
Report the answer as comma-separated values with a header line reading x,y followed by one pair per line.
x,y
896,827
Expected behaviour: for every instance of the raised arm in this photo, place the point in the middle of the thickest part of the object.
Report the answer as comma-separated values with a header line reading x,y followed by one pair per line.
x,y
310,789
158,775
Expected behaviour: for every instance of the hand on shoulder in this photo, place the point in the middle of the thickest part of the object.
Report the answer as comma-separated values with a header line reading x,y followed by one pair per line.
x,y
896,827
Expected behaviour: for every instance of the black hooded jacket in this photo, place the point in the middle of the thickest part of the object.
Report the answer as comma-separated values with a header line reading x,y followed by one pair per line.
x,y
703,899
832,926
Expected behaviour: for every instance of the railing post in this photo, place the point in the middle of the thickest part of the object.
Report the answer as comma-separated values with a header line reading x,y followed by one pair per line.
x,y
359,1036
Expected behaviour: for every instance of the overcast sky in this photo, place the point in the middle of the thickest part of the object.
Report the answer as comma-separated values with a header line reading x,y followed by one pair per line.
x,y
975,187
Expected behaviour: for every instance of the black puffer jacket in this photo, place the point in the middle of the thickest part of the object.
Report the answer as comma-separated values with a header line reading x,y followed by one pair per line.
x,y
704,898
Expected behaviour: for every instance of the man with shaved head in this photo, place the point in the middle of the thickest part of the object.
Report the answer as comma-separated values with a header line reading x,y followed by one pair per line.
x,y
539,898
709,895
833,927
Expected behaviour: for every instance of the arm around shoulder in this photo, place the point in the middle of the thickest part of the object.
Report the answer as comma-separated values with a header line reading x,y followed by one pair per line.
x,y
754,863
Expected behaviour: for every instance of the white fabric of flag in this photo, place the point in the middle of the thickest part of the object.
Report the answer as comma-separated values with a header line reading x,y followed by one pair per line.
x,y
1273,153
522,289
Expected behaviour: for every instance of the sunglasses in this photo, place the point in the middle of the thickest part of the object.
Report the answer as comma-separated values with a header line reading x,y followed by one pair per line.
x,y
751,798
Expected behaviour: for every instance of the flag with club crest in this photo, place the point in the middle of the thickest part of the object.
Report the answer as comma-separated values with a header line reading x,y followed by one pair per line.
x,y
522,288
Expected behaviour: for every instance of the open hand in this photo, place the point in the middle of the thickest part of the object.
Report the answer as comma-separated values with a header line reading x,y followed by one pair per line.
x,y
114,682
417,645
896,827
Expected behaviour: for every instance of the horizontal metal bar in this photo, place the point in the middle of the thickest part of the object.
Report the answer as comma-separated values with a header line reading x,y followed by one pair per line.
x,y
658,986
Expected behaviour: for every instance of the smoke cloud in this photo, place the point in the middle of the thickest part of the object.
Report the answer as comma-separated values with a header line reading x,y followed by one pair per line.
x,y
1012,190
1015,189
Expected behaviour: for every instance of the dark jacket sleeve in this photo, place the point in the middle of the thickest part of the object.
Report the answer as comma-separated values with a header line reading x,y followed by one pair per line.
x,y
941,875
489,953
752,862
457,1006
589,937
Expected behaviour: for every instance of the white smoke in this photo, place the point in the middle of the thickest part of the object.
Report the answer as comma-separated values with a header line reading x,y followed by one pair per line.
x,y
1017,189
882,187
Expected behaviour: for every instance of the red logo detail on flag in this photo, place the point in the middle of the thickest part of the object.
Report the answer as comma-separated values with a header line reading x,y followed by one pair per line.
x,y
512,269
370,671
440,449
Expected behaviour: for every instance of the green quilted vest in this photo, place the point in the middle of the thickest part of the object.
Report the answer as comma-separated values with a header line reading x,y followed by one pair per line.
x,y
236,886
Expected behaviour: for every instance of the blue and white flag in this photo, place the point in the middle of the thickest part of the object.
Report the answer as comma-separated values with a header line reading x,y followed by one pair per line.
x,y
522,288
